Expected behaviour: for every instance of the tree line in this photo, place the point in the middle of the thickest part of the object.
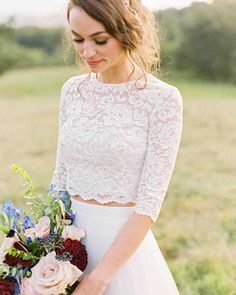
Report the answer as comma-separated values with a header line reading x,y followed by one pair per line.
x,y
200,39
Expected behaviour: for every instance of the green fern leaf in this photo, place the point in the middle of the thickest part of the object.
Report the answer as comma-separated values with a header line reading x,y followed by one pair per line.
x,y
26,180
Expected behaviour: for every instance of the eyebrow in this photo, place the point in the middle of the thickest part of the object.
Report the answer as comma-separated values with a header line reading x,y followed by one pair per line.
x,y
94,34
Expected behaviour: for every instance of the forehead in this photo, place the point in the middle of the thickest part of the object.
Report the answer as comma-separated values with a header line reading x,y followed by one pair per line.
x,y
83,24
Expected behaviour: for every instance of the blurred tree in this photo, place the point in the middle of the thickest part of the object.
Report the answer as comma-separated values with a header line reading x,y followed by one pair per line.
x,y
209,43
170,37
29,47
13,55
46,39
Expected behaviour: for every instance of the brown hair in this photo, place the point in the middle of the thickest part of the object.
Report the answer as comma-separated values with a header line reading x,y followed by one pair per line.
x,y
132,24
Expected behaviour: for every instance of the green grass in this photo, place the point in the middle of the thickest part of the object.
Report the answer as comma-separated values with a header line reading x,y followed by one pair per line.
x,y
44,82
193,87
196,229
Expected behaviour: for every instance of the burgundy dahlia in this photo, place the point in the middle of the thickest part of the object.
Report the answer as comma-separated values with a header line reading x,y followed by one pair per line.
x,y
77,250
12,261
7,287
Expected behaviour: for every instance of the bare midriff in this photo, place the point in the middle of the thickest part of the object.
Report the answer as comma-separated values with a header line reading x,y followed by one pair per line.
x,y
78,198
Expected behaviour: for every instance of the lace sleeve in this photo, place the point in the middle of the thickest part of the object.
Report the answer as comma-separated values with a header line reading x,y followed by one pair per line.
x,y
58,182
165,130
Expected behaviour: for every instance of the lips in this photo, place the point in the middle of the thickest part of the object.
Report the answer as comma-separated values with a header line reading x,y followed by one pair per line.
x,y
94,63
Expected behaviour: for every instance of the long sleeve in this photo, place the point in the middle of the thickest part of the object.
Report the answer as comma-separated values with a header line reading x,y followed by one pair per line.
x,y
164,135
58,182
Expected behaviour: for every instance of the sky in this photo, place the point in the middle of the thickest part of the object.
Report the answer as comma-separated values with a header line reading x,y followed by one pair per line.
x,y
47,7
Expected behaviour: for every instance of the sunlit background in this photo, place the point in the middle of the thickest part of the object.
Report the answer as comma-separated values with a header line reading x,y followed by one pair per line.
x,y
51,13
44,7
196,229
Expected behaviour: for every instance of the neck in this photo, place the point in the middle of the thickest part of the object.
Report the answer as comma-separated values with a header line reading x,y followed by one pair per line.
x,y
120,73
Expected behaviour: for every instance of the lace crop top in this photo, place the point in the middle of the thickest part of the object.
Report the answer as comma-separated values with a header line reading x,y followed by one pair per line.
x,y
116,142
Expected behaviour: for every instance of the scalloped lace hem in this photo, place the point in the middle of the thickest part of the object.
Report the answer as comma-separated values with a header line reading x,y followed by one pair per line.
x,y
145,213
104,199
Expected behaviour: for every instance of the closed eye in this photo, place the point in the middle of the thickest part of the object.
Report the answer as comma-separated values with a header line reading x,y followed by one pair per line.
x,y
97,42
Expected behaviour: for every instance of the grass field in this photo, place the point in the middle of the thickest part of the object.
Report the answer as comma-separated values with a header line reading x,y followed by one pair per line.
x,y
196,229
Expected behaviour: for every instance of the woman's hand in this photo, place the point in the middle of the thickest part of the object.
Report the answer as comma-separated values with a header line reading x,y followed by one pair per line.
x,y
90,285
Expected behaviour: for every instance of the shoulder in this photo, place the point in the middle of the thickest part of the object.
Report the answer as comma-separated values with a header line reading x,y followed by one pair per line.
x,y
72,82
162,92
162,88
69,89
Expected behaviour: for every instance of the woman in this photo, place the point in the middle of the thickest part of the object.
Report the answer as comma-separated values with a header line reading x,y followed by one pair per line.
x,y
119,133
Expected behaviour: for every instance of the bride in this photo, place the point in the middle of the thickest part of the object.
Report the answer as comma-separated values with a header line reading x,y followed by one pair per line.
x,y
119,134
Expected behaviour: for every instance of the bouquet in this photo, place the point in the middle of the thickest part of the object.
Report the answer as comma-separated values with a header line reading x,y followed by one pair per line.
x,y
41,252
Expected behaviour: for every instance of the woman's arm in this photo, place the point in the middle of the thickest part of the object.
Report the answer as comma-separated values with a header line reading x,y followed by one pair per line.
x,y
123,247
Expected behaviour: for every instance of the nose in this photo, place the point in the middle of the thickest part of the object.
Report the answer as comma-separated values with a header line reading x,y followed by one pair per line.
x,y
88,50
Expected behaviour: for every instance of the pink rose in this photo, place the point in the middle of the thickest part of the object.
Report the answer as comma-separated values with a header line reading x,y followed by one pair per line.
x,y
52,276
27,287
41,229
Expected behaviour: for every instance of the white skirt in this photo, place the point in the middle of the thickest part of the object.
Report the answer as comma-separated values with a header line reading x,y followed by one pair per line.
x,y
145,273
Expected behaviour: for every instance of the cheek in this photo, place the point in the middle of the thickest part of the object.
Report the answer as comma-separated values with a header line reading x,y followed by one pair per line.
x,y
78,48
113,49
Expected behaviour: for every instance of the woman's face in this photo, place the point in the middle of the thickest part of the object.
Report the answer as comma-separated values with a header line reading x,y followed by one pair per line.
x,y
92,45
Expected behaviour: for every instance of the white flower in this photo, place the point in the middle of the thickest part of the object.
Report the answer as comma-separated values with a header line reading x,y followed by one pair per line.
x,y
72,232
52,276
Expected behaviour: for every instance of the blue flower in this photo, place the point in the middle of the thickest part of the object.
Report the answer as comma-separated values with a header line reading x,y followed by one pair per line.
x,y
16,213
29,240
63,196
17,288
7,207
27,222
73,216
17,282
53,189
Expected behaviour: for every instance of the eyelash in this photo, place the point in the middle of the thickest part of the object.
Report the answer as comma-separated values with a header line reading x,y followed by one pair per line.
x,y
97,42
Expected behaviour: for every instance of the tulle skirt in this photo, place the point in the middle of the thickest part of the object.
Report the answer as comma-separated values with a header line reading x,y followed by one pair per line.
x,y
145,273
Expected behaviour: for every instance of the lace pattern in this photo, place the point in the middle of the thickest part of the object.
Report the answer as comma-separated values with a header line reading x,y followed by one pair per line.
x,y
118,143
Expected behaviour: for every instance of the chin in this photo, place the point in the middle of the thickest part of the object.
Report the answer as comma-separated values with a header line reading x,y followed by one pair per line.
x,y
97,70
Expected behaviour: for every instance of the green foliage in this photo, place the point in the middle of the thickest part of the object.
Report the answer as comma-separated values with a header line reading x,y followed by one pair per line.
x,y
4,229
30,47
13,55
209,43
4,271
201,39
34,37
40,206
171,37
55,210
70,289
30,190
34,202
23,255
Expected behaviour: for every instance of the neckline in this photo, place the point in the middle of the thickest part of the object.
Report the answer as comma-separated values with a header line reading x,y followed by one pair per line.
x,y
114,84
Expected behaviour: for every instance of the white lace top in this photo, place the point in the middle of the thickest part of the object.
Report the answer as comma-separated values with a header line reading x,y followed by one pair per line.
x,y
118,143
